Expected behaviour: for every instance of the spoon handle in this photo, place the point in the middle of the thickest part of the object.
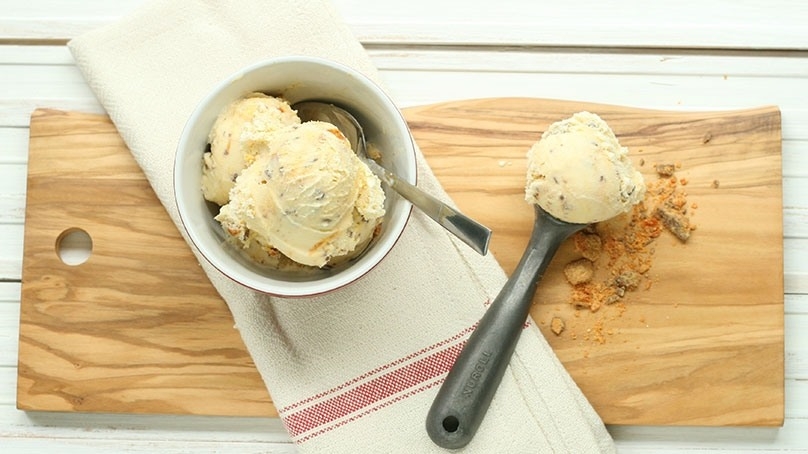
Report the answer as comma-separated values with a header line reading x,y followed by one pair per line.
x,y
469,231
465,395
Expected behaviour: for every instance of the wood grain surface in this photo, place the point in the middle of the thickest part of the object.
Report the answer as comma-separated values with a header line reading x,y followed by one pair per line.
x,y
137,328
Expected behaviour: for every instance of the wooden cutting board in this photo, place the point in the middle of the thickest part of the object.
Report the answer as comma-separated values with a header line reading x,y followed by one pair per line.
x,y
138,329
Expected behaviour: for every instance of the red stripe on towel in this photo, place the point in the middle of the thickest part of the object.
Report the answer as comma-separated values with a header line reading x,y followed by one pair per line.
x,y
373,390
368,411
380,369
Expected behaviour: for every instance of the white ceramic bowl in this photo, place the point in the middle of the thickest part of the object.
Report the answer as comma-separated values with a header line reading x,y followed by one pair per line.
x,y
295,79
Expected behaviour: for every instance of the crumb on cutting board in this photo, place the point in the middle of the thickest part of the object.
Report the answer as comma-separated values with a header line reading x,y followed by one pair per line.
x,y
579,271
557,325
665,170
589,244
628,280
675,221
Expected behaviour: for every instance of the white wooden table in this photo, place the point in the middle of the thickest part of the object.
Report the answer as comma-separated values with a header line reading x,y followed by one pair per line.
x,y
679,55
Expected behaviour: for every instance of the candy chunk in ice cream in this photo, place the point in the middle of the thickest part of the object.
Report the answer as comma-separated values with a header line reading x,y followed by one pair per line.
x,y
579,173
307,195
232,144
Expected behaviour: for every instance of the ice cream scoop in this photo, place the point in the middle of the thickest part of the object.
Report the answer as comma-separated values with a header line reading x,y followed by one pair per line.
x,y
590,180
471,232
465,395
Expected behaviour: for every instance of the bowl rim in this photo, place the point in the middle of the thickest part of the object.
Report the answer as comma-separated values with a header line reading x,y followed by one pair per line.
x,y
330,283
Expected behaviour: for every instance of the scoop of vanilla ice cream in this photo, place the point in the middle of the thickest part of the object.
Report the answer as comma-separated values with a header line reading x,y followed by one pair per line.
x,y
233,140
307,195
579,173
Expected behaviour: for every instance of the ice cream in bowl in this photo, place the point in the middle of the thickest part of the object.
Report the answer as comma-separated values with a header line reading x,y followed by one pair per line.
x,y
281,205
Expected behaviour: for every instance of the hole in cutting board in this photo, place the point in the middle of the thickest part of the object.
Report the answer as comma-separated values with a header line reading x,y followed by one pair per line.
x,y
74,246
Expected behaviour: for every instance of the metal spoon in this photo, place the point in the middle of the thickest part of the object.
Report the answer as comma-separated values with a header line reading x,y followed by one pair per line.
x,y
466,229
464,397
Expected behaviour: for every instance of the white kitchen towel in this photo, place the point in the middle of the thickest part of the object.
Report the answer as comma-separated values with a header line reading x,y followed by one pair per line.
x,y
355,370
